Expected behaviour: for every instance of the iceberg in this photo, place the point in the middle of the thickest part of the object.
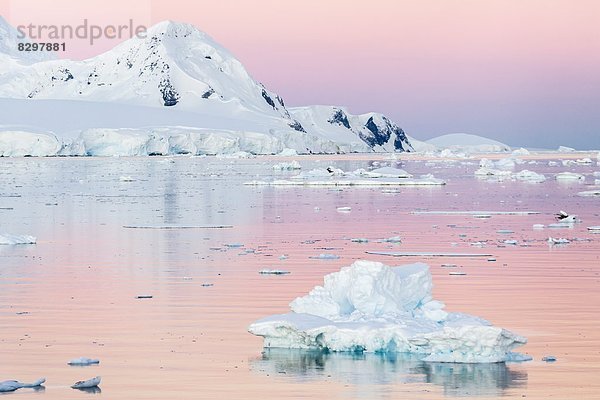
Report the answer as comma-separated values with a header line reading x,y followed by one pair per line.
x,y
371,307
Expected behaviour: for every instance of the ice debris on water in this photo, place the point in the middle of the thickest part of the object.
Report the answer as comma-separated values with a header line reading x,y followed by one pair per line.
x,y
287,166
371,307
90,383
326,256
549,358
552,241
11,386
267,271
81,361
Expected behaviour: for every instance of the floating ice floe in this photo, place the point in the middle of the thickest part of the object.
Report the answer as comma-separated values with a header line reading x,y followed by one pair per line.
x,y
383,172
283,166
553,241
371,307
459,273
81,361
90,383
549,358
538,226
273,272
594,229
423,181
569,176
326,257
126,179
8,239
474,212
425,254
529,176
589,193
11,386
393,239
360,240
511,242
344,209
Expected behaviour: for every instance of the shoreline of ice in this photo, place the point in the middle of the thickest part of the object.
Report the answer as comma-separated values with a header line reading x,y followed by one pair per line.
x,y
371,307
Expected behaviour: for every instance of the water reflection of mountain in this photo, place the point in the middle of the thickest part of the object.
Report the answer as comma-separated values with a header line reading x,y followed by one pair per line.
x,y
459,380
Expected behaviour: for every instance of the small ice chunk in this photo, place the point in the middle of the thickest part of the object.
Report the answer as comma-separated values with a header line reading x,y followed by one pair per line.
x,y
273,272
287,166
589,193
393,239
569,176
126,179
594,228
344,209
538,226
83,361
360,240
505,231
449,265
549,358
234,245
283,257
510,241
144,296
8,239
325,256
529,176
11,386
457,273
553,241
90,383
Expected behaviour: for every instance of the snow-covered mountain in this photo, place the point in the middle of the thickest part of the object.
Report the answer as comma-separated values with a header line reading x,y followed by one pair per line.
x,y
176,76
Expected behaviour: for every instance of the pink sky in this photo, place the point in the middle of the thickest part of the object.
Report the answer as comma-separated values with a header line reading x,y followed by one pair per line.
x,y
525,72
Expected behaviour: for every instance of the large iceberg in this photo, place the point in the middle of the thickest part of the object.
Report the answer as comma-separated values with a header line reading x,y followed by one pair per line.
x,y
372,307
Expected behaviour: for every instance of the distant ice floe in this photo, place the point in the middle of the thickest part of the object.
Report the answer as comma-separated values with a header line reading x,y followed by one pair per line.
x,y
371,307
83,361
287,166
8,239
569,176
502,170
267,271
552,241
589,193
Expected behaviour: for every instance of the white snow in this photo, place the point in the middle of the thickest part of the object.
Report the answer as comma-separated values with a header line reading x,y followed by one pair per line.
x,y
8,239
372,307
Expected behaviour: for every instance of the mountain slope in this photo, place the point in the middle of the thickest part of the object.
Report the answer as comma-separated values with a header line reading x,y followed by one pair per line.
x,y
178,68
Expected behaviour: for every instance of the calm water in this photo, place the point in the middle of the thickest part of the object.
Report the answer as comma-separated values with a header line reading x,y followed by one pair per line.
x,y
74,293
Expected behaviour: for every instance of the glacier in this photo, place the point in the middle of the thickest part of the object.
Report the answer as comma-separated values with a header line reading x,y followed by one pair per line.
x,y
372,307
175,91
